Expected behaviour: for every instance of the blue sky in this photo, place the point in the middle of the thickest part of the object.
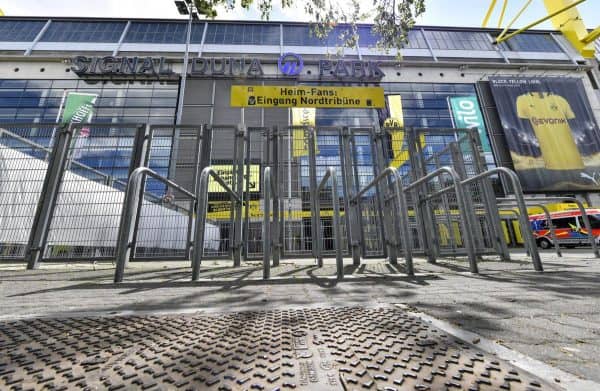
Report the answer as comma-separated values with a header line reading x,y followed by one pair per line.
x,y
439,12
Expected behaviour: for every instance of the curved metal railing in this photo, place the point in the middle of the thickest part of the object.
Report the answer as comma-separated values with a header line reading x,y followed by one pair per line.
x,y
130,207
403,213
200,223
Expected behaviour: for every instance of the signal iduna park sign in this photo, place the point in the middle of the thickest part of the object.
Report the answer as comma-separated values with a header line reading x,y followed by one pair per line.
x,y
307,96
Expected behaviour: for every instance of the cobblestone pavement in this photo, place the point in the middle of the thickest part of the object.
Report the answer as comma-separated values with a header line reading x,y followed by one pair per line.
x,y
551,316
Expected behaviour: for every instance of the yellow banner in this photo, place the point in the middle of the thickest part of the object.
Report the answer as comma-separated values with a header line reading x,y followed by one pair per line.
x,y
307,96
302,116
225,171
396,120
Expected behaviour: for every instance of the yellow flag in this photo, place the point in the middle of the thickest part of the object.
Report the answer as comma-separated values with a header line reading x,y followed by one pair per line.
x,y
1,13
302,116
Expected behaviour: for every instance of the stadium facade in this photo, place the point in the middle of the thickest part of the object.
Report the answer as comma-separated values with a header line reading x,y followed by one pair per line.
x,y
534,100
135,66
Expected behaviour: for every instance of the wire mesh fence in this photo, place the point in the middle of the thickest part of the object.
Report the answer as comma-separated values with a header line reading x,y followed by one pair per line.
x,y
24,154
164,225
86,216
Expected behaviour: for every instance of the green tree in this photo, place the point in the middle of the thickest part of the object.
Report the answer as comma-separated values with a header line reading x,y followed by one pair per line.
x,y
392,19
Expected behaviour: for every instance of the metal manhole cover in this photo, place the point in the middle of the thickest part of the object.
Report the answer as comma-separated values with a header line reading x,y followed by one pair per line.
x,y
316,349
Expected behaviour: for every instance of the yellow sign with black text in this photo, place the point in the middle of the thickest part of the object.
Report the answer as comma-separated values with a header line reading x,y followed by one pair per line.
x,y
307,96
225,171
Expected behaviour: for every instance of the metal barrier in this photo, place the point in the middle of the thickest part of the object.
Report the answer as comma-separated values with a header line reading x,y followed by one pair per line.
x,y
463,210
520,200
130,207
402,212
200,222
339,259
269,188
440,184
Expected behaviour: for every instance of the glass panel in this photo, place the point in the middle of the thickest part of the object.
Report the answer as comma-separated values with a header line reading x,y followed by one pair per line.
x,y
531,43
458,40
242,34
20,30
66,31
158,32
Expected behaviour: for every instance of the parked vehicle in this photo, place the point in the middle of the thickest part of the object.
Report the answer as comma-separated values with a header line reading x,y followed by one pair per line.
x,y
569,227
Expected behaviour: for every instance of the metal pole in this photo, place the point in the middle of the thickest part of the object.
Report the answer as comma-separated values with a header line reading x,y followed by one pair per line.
x,y
386,226
339,260
276,220
48,197
489,196
241,133
127,226
267,224
459,166
352,225
200,223
314,198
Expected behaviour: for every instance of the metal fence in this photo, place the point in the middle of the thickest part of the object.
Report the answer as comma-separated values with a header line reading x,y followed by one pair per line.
x,y
62,195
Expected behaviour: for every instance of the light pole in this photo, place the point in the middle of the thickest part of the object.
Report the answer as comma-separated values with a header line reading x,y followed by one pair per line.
x,y
185,7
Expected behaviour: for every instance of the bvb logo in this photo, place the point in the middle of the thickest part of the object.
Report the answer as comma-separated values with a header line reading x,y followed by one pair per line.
x,y
290,64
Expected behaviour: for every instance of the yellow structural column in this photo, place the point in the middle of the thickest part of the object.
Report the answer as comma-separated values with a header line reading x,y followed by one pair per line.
x,y
571,25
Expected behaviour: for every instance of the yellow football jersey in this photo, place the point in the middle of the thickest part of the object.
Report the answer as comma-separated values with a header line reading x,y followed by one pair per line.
x,y
548,115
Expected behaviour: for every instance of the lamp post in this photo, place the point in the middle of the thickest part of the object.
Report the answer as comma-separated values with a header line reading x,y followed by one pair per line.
x,y
185,7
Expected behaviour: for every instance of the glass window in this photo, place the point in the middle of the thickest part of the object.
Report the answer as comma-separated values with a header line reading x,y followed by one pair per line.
x,y
20,30
66,31
531,43
458,40
594,221
242,34
159,32
568,222
300,36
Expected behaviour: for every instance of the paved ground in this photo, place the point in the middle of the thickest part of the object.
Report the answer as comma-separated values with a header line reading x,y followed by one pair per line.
x,y
552,317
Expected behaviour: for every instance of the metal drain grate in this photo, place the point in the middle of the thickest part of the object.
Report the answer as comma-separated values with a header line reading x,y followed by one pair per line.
x,y
344,348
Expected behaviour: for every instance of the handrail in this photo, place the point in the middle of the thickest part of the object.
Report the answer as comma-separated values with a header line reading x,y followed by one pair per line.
x,y
202,202
330,173
403,212
520,200
130,207
584,216
548,218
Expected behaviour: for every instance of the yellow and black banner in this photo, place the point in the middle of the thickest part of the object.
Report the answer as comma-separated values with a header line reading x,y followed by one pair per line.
x,y
302,116
307,96
552,136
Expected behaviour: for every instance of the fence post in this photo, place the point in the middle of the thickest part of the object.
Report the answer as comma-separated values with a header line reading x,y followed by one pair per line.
x,y
34,251
489,196
475,227
139,158
314,197
266,229
386,226
276,234
241,134
423,210
349,190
